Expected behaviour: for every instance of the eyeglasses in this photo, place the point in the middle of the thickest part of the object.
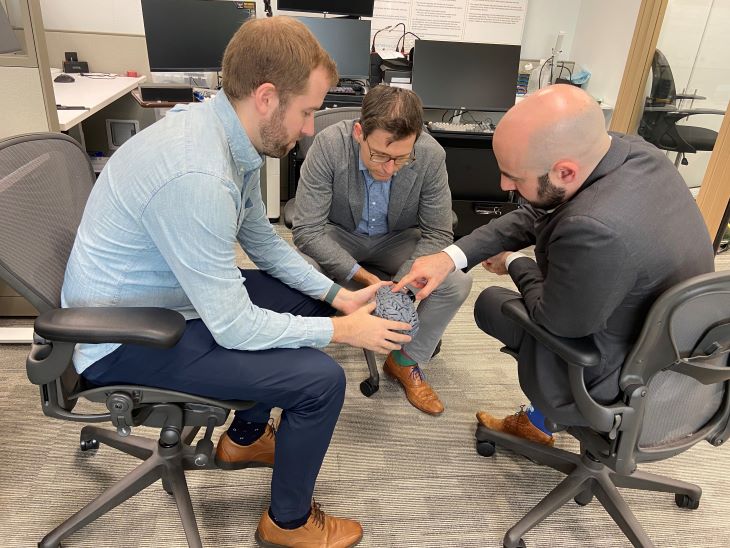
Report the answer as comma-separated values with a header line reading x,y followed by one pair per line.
x,y
400,161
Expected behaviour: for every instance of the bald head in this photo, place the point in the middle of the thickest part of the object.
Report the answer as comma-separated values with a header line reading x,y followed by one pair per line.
x,y
560,121
557,135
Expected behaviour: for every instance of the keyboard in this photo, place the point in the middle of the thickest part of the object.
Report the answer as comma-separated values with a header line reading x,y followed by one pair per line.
x,y
341,90
448,127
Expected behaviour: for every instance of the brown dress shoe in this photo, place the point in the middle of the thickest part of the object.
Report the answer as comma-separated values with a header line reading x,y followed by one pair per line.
x,y
320,531
231,456
518,425
418,391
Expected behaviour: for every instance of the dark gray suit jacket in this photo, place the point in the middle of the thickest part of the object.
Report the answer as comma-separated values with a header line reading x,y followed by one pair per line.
x,y
632,231
331,189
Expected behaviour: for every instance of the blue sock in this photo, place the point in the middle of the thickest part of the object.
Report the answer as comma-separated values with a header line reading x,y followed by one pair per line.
x,y
537,418
245,432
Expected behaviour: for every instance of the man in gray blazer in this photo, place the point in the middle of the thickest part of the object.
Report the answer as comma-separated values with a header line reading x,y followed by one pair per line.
x,y
373,195
613,225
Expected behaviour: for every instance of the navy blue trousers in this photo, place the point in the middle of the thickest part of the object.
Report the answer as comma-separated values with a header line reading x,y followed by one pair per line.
x,y
305,382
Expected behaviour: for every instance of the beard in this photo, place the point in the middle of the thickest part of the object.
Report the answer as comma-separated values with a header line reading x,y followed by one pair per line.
x,y
549,196
274,139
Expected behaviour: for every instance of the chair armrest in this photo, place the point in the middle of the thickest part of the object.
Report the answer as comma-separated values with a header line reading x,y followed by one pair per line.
x,y
581,352
158,327
684,113
682,96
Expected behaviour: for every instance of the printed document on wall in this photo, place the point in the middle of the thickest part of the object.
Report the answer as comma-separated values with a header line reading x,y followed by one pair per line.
x,y
486,21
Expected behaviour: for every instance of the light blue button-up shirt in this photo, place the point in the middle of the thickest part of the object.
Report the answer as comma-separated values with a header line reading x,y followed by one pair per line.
x,y
374,220
161,226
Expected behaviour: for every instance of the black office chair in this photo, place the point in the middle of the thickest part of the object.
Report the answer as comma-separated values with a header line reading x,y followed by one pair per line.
x,y
673,394
660,125
45,180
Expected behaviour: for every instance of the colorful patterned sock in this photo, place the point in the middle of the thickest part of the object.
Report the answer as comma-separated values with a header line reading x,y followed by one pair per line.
x,y
403,359
537,418
245,432
293,524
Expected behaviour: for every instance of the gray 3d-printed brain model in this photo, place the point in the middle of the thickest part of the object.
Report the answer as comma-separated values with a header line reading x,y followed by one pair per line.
x,y
397,306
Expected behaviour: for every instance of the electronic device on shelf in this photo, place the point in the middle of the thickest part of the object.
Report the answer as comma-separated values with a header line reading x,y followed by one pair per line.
x,y
346,40
484,128
191,35
464,75
355,8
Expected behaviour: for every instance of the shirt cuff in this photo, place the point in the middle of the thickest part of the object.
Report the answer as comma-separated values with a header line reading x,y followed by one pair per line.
x,y
457,255
511,257
352,272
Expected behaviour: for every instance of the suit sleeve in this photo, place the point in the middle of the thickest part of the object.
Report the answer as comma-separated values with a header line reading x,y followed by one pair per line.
x,y
312,208
511,232
434,212
589,273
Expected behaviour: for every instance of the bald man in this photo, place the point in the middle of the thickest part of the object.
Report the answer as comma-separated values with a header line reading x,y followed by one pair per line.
x,y
613,225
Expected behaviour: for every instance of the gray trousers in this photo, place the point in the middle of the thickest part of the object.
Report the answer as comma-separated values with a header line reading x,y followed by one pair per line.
x,y
383,256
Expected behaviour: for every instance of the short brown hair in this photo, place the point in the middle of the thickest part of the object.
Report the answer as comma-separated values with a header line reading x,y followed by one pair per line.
x,y
397,111
277,50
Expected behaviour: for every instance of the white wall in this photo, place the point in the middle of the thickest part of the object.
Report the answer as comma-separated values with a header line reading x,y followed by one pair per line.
x,y
602,40
543,21
112,16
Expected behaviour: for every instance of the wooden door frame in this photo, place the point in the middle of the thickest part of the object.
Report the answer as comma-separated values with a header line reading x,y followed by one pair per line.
x,y
714,193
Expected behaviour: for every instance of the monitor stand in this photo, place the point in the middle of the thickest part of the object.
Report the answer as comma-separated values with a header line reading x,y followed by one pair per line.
x,y
456,118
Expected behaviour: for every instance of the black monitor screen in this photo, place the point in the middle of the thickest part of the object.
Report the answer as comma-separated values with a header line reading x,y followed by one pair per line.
x,y
361,8
187,35
346,40
465,75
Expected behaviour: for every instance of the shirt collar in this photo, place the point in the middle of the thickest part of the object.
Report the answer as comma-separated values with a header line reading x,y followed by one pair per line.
x,y
616,156
245,156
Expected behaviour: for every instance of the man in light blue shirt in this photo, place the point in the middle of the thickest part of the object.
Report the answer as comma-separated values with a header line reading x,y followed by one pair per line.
x,y
160,229
373,196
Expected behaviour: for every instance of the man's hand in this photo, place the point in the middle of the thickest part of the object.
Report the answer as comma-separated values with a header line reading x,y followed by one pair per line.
x,y
364,277
427,273
497,264
363,330
347,301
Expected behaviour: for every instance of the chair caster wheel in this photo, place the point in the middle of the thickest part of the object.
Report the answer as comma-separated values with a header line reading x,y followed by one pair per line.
x,y
520,544
584,498
685,501
368,388
486,448
88,445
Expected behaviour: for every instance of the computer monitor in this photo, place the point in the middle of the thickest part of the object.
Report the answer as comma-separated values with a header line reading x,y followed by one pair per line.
x,y
465,75
359,8
191,35
346,40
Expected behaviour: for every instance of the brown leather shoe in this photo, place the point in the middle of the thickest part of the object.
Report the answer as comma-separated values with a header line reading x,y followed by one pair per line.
x,y
320,531
418,391
231,456
518,425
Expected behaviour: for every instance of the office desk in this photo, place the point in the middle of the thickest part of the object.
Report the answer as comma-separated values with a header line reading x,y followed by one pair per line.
x,y
92,93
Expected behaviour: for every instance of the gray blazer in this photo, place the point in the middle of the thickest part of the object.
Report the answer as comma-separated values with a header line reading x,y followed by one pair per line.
x,y
332,190
632,231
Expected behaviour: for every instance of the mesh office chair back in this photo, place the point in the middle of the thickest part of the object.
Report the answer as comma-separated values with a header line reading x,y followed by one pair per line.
x,y
687,332
45,180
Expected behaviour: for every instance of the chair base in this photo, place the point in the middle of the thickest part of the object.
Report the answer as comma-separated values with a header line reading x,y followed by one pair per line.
x,y
159,462
585,478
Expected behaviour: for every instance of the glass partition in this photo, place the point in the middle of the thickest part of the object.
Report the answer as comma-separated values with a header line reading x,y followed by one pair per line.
x,y
16,34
